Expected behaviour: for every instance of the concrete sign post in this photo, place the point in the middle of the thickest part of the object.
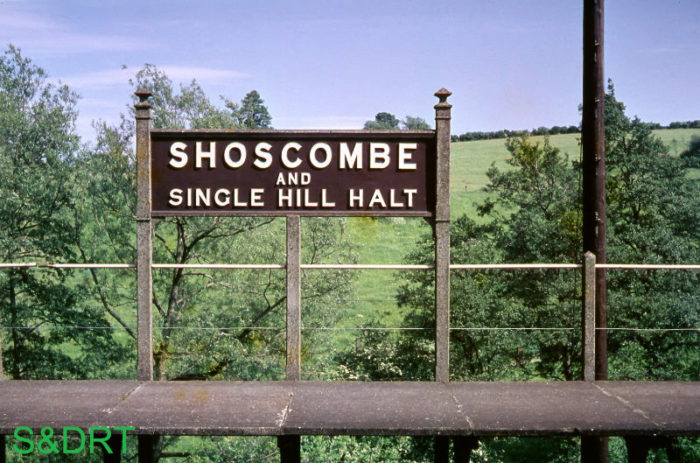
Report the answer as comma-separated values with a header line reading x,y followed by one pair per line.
x,y
144,237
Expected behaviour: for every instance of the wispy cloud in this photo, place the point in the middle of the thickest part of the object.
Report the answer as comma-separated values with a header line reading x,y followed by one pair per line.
x,y
71,44
117,77
99,79
15,21
201,74
43,35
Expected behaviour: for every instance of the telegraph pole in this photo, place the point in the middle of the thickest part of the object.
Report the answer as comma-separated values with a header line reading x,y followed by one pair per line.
x,y
595,449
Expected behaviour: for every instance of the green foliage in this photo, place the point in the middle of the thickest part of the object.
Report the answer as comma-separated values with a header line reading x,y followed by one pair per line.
x,y
654,217
691,156
190,108
362,449
253,113
383,121
528,449
414,123
387,121
37,161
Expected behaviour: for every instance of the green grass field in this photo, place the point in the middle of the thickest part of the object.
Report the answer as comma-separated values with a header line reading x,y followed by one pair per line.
x,y
387,241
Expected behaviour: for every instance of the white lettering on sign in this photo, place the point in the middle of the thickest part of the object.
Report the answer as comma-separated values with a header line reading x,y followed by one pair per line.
x,y
378,155
222,197
313,155
286,162
377,175
356,198
201,154
351,159
405,156
290,198
293,178
320,156
178,156
263,157
241,155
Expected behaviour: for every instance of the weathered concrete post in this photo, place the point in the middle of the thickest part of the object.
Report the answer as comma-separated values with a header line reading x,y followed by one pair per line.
x,y
293,298
290,446
441,229
144,237
442,238
588,317
144,259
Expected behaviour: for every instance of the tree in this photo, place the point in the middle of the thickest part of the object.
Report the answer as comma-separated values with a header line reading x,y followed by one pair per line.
x,y
383,121
253,113
37,162
414,123
654,217
387,121
691,156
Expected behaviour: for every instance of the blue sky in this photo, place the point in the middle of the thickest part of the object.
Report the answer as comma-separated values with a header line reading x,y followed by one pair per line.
x,y
334,64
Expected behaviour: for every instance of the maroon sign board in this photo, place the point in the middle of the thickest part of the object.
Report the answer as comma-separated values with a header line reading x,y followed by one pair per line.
x,y
276,173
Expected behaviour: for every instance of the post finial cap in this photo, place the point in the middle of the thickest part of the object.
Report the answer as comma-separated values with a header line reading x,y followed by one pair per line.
x,y
143,95
443,93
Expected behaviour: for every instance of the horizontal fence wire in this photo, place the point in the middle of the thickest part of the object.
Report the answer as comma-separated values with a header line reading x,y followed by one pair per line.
x,y
359,266
649,266
323,328
511,266
354,267
87,265
366,267
222,266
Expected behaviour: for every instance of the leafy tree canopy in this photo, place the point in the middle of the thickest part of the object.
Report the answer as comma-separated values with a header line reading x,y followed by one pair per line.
x,y
691,156
383,121
387,121
414,123
38,149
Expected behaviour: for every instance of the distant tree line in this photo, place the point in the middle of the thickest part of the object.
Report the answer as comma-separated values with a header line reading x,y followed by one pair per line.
x,y
559,129
554,130
387,121
683,125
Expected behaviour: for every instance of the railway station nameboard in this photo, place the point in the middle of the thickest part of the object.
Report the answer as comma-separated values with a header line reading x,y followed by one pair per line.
x,y
272,172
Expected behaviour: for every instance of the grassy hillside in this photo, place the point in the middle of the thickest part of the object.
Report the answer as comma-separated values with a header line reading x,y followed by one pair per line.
x,y
389,240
